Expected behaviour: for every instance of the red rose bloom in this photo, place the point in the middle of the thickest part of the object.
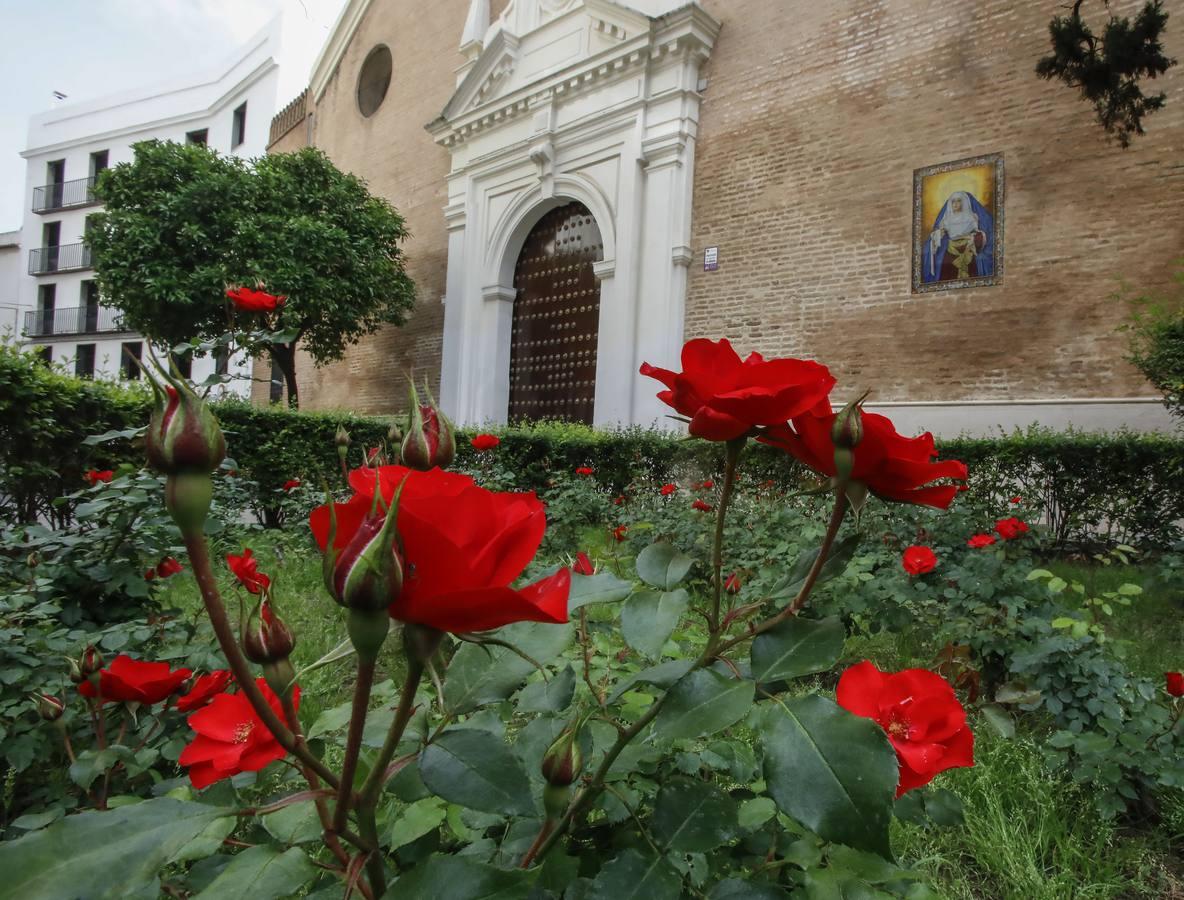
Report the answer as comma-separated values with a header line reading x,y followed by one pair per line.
x,y
1015,501
917,560
726,397
926,724
204,689
584,470
169,566
619,500
583,565
733,585
892,466
706,485
128,680
231,738
1175,683
483,442
619,532
94,476
701,506
667,489
463,546
253,301
150,575
981,540
1011,528
245,569
291,484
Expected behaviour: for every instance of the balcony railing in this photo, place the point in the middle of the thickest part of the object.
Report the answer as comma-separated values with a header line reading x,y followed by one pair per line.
x,y
64,195
62,258
72,320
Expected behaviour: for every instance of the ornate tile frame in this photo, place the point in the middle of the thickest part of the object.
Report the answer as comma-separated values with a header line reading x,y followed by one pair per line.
x,y
995,159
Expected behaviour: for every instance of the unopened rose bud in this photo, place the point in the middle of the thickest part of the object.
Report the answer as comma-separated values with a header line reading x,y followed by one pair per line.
x,y
76,675
847,430
564,761
183,434
732,585
91,662
430,440
394,435
50,708
341,440
266,638
33,560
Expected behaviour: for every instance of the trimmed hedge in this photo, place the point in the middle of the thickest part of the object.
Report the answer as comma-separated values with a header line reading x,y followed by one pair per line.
x,y
1123,487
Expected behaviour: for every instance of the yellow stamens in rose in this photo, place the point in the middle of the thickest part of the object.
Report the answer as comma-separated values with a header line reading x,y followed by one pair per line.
x,y
243,732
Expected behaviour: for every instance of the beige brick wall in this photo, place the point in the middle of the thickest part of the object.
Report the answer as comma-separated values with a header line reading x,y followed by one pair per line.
x,y
814,118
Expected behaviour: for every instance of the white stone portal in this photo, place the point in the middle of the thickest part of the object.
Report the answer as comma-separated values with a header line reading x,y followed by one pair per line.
x,y
561,100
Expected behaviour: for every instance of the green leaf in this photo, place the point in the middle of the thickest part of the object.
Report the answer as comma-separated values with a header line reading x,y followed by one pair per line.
x,y
486,674
632,876
336,718
416,820
1000,720
262,872
746,889
649,617
836,561
295,824
1038,573
1063,622
476,769
460,878
101,855
797,647
703,702
603,587
1129,590
1057,584
756,812
944,808
694,816
662,675
846,761
549,696
663,566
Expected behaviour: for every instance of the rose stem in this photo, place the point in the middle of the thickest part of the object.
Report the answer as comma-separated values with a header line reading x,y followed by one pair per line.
x,y
368,795
353,742
732,458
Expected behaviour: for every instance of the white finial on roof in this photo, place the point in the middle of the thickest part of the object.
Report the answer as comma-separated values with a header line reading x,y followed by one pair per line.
x,y
475,25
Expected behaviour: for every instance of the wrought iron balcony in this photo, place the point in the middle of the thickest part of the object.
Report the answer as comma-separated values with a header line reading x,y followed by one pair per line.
x,y
62,258
64,195
72,320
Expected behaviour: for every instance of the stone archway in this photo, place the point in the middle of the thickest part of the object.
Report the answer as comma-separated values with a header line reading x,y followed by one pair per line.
x,y
556,318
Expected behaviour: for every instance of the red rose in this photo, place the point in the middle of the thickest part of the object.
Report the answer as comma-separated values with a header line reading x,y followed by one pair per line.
x,y
169,566
667,489
1011,528
981,540
94,476
150,575
245,569
917,560
483,442
231,738
926,724
583,565
619,500
619,532
892,466
732,585
249,300
463,547
128,680
204,689
701,506
1175,683
707,485
1015,501
584,470
726,397
291,484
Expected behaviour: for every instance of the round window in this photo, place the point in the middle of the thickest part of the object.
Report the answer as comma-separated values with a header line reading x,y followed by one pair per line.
x,y
374,80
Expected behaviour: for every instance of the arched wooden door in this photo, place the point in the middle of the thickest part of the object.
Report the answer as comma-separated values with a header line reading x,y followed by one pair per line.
x,y
556,319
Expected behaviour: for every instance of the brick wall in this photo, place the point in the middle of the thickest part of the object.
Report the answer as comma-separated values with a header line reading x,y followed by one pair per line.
x,y
812,124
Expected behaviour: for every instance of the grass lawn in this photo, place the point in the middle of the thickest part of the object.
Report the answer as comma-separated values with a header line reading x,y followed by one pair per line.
x,y
1030,834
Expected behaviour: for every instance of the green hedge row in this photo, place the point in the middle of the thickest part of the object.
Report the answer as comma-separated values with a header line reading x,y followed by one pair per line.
x,y
1120,487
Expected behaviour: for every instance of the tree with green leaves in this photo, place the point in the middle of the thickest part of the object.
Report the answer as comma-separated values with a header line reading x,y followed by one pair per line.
x,y
182,223
1109,67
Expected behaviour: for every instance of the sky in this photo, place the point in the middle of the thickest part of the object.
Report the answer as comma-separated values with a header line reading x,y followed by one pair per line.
x,y
90,48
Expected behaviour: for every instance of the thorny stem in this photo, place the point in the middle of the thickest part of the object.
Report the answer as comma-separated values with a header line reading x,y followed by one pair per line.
x,y
587,654
353,741
69,746
732,457
199,559
100,724
375,868
544,832
368,794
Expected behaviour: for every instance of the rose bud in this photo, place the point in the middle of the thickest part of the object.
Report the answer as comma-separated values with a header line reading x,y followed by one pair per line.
x,y
1174,681
394,436
430,441
266,639
49,708
341,440
91,662
183,434
76,675
847,429
564,761
733,584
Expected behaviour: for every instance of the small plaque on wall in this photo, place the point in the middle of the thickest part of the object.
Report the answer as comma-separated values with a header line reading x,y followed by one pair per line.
x,y
711,259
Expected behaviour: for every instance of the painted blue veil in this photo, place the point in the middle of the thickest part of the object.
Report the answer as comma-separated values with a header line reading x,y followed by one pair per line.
x,y
984,259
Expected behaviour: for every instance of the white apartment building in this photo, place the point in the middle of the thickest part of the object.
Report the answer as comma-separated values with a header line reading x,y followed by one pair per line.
x,y
10,280
228,107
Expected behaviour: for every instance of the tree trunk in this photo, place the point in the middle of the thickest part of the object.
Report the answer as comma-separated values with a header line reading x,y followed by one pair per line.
x,y
285,357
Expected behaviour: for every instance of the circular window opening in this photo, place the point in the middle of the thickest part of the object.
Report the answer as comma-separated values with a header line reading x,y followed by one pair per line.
x,y
374,80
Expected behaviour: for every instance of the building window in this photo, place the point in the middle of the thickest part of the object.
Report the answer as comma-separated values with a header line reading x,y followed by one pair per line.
x,y
221,361
277,383
184,363
44,354
238,130
90,306
46,299
373,80
98,162
132,353
55,175
84,361
201,136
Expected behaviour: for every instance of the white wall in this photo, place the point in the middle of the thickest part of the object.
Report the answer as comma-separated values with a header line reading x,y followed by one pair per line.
x,y
10,278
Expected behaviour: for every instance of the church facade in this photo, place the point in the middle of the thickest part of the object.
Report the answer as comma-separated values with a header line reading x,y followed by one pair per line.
x,y
881,185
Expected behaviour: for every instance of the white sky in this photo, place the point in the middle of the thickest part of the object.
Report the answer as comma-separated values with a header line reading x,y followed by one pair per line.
x,y
89,48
